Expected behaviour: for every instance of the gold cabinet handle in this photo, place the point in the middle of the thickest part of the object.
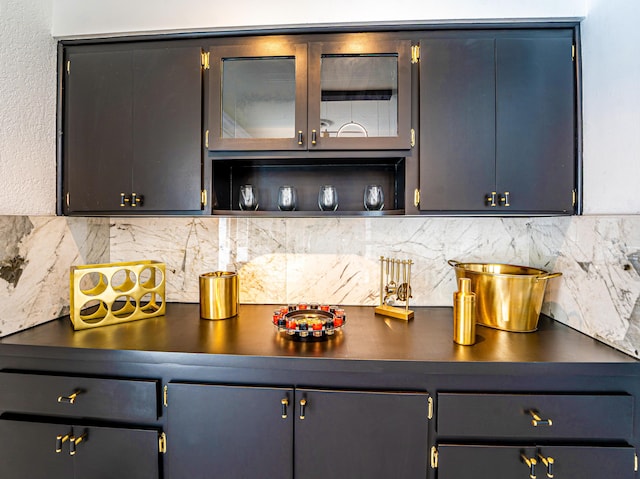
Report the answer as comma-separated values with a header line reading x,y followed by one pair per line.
x,y
74,441
314,135
491,199
303,405
531,463
69,399
124,200
60,440
548,462
300,138
536,420
136,200
285,404
504,199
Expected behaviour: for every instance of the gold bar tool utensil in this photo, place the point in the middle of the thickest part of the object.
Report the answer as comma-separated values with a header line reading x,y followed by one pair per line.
x,y
395,287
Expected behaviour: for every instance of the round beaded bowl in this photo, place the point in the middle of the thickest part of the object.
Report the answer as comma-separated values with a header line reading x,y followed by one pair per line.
x,y
309,322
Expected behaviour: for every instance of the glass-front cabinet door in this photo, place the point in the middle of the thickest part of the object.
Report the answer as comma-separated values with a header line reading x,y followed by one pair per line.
x,y
258,96
359,94
279,93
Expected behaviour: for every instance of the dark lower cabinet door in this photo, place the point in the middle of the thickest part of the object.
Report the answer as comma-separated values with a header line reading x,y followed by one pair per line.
x,y
514,462
44,451
229,432
109,453
28,450
360,434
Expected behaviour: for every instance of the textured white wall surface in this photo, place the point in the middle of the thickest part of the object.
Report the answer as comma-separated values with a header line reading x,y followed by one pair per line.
x,y
74,18
27,108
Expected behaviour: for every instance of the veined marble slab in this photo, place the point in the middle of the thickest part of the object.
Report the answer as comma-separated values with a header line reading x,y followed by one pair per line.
x,y
334,260
35,260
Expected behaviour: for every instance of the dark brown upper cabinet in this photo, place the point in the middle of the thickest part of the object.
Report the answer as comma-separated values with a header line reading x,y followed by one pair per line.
x,y
350,92
132,129
497,122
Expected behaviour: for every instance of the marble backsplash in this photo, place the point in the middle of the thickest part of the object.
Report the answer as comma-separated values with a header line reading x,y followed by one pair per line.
x,y
35,255
334,260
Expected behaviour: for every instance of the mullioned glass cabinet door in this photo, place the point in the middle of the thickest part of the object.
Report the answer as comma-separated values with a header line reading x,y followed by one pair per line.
x,y
360,94
258,97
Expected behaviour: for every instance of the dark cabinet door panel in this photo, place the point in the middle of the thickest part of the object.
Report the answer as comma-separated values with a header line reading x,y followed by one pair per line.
x,y
167,128
353,434
98,130
457,123
108,453
229,432
535,153
28,450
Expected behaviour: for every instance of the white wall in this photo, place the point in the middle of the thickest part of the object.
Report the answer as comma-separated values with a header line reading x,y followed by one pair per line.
x,y
27,108
611,73
611,98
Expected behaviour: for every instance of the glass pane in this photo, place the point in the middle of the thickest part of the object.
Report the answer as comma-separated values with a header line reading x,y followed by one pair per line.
x,y
359,95
258,98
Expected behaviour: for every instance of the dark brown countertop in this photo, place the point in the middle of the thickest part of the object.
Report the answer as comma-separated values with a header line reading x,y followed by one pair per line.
x,y
251,340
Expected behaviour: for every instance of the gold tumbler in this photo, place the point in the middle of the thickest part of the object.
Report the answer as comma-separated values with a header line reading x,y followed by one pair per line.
x,y
218,295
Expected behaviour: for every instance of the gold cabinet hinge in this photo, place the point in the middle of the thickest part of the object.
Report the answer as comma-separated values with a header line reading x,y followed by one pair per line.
x,y
430,408
204,60
434,457
574,194
206,139
412,140
165,396
573,52
203,198
67,199
162,443
416,197
415,53
635,462
68,66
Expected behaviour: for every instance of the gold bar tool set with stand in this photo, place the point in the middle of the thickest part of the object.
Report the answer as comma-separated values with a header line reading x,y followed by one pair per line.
x,y
395,286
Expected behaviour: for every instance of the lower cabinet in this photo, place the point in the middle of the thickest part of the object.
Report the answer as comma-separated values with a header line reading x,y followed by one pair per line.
x,y
50,451
219,431
511,436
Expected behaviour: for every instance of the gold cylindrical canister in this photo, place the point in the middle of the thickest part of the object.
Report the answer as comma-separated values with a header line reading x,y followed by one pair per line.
x,y
218,295
464,313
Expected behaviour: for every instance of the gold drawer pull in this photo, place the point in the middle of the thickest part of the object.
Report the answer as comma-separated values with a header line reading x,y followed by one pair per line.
x,y
74,443
536,420
531,462
548,462
284,402
60,440
69,399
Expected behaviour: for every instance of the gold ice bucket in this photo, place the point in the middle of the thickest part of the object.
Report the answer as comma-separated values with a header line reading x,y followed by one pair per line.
x,y
218,295
508,297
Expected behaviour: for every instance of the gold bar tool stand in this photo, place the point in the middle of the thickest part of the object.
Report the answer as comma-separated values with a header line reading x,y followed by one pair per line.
x,y
395,286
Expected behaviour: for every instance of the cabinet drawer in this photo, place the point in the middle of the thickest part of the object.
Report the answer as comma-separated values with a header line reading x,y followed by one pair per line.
x,y
114,399
462,461
579,417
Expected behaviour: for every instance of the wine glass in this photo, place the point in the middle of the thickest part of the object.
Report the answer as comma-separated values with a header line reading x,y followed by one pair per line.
x,y
328,198
248,198
287,198
373,197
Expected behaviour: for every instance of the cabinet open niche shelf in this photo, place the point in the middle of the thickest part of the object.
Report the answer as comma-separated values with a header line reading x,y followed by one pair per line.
x,y
349,176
